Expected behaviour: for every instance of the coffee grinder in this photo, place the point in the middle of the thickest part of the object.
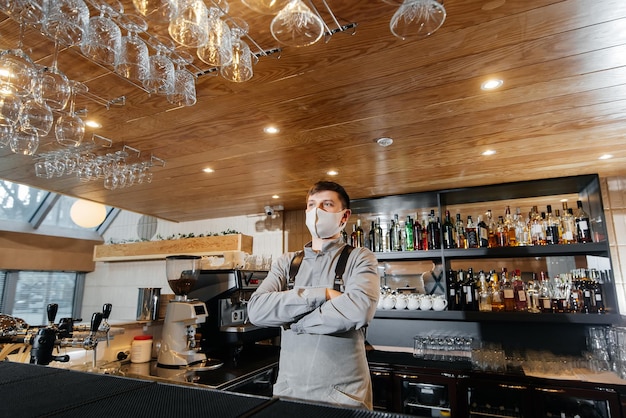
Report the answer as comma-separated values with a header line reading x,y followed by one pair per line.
x,y
182,315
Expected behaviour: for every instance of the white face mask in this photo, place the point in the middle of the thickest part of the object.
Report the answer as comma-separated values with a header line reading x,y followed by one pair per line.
x,y
324,224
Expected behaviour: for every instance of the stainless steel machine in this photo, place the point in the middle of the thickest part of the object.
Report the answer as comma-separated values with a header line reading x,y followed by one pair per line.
x,y
227,330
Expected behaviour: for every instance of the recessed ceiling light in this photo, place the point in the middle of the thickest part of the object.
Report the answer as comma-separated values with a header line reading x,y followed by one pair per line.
x,y
332,172
492,84
271,130
384,142
605,157
93,124
488,152
275,196
208,170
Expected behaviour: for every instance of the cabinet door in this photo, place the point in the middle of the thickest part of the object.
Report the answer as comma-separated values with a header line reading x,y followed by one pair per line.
x,y
382,388
495,399
424,395
577,402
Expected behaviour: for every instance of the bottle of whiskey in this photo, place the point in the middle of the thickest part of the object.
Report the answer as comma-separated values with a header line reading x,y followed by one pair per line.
x,y
491,227
482,232
532,290
508,293
502,233
568,225
545,299
452,290
448,232
484,293
522,234
509,224
461,241
471,233
552,227
497,298
519,287
409,244
372,241
583,226
537,233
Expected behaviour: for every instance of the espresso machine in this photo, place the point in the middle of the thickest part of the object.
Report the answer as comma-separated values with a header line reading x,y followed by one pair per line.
x,y
227,329
182,315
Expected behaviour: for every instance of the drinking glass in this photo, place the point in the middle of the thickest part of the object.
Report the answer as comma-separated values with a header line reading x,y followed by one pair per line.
x,y
184,89
103,39
160,76
24,143
133,60
10,108
17,70
36,118
417,18
53,87
297,25
67,21
158,11
69,129
239,69
189,25
217,51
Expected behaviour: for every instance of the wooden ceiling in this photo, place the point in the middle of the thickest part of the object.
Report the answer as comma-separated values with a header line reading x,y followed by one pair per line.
x,y
562,105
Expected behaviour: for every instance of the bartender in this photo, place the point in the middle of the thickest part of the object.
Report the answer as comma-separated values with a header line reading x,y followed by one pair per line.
x,y
323,328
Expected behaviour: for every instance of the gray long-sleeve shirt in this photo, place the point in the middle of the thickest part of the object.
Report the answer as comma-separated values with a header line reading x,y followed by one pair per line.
x,y
323,342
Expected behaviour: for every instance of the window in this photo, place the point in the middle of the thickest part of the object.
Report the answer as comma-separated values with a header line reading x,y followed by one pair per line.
x,y
26,294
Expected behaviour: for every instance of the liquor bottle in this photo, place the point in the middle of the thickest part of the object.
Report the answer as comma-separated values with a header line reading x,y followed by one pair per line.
x,y
417,235
502,233
482,232
484,293
598,298
380,237
491,227
401,236
448,232
508,293
434,231
344,236
588,305
397,234
576,297
497,298
532,290
552,227
461,241
469,292
568,225
372,241
509,223
452,290
409,244
519,287
583,226
360,234
424,244
522,233
470,233
389,244
535,224
545,298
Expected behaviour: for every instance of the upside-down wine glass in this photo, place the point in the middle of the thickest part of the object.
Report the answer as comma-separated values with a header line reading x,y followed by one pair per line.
x,y
297,25
239,69
417,18
188,26
67,21
184,90
218,49
103,39
160,77
69,129
266,7
17,70
133,61
24,143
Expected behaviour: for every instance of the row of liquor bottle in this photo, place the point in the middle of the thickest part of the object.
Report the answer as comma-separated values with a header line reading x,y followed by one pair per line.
x,y
509,230
576,292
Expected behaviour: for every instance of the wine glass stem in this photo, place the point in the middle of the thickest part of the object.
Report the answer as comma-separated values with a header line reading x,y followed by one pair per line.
x,y
55,53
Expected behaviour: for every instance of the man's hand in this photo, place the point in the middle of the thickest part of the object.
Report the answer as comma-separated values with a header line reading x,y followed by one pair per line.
x,y
332,293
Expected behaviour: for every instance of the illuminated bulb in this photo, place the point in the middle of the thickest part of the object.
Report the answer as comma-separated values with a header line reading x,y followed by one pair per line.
x,y
87,214
488,152
271,130
605,157
332,172
491,84
208,170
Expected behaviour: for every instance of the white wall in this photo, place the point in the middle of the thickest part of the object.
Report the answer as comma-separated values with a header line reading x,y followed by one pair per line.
x,y
118,282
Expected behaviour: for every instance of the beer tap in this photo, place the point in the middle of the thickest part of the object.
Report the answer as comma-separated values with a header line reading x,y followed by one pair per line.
x,y
45,340
90,342
105,327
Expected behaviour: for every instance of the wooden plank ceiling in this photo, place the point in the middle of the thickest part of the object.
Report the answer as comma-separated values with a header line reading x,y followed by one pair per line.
x,y
562,105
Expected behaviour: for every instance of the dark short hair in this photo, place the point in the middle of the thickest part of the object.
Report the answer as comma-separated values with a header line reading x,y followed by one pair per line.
x,y
321,186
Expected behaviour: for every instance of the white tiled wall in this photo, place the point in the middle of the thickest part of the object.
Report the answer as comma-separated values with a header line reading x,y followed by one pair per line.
x,y
614,200
118,282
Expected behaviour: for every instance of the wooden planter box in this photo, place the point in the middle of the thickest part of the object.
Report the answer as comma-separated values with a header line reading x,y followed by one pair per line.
x,y
154,250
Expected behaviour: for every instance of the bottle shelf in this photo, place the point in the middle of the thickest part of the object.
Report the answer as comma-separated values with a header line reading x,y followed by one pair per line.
x,y
592,248
474,316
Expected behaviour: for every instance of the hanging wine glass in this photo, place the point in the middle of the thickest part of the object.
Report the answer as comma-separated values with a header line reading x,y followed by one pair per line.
x,y
133,61
266,7
17,70
10,107
297,25
103,39
6,133
160,77
24,143
188,26
53,87
67,21
184,90
240,67
218,49
417,18
69,129
158,11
